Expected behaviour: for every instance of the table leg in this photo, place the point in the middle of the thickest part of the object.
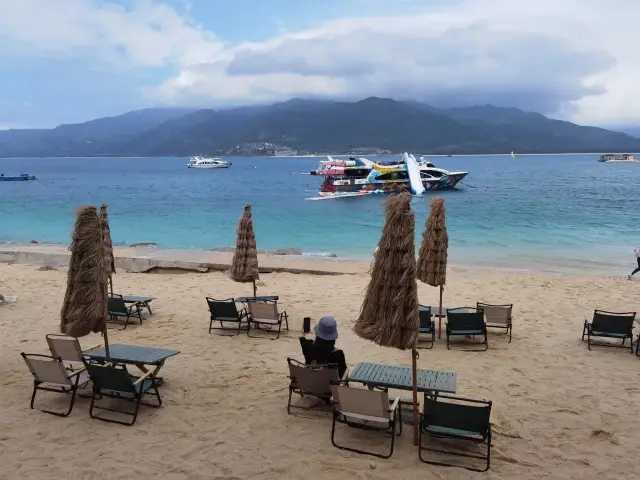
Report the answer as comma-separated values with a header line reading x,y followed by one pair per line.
x,y
148,306
144,369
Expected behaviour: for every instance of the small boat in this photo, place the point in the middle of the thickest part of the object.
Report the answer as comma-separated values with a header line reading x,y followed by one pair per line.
x,y
617,158
21,178
204,162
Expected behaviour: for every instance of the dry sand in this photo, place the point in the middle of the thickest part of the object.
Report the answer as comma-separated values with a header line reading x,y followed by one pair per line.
x,y
560,411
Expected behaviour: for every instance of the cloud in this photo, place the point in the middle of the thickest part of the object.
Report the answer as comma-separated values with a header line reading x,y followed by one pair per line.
x,y
148,34
560,58
569,58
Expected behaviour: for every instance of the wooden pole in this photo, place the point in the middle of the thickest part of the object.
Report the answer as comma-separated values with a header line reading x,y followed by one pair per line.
x,y
111,286
255,290
106,340
440,312
414,372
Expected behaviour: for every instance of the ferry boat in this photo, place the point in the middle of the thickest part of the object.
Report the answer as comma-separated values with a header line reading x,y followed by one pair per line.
x,y
21,178
204,162
361,175
617,158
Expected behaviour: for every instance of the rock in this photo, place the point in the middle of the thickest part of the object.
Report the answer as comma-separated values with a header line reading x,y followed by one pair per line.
x,y
372,466
33,241
45,268
143,244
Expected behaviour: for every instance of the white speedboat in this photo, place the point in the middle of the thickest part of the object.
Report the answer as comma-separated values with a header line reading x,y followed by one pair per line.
x,y
204,162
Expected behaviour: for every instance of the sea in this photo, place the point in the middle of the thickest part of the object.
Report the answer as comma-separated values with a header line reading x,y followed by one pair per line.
x,y
552,213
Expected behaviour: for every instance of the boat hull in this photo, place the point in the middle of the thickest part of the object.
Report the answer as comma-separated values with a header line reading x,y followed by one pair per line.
x,y
447,182
16,179
209,166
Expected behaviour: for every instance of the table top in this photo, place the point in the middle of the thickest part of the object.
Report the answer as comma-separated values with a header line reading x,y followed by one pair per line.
x,y
435,311
134,299
132,354
399,377
263,298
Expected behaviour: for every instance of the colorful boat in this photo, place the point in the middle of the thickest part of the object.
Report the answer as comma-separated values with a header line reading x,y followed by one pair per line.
x,y
362,175
21,178
617,158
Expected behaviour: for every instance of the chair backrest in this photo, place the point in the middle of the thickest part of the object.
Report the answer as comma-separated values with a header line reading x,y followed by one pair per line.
x,y
500,314
264,310
425,317
361,401
117,305
46,368
458,413
65,347
222,308
613,322
110,377
313,379
462,319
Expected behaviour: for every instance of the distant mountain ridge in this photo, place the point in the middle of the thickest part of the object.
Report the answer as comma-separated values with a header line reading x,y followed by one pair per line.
x,y
314,126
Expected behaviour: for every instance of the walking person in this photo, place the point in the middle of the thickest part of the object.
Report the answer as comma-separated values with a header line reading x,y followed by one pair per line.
x,y
637,269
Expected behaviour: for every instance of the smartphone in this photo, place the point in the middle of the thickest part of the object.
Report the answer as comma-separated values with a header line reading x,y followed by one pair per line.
x,y
306,325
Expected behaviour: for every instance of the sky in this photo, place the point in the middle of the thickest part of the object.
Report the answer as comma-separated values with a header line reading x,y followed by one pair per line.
x,y
66,61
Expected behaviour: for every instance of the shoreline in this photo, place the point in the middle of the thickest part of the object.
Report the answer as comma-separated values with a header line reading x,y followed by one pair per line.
x,y
144,259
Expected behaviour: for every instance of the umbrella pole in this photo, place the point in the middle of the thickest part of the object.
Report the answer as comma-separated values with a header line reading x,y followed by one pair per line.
x,y
416,422
440,311
106,340
111,286
255,290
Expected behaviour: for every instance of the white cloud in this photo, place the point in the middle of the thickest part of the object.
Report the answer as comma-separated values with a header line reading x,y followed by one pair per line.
x,y
574,59
150,34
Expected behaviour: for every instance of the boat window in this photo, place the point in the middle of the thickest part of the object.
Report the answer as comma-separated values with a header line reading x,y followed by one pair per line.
x,y
432,173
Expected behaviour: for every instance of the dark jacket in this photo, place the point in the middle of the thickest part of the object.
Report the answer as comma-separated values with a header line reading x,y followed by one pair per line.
x,y
322,352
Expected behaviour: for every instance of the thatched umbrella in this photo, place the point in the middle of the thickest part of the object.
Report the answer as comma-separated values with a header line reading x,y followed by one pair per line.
x,y
244,267
110,264
389,314
432,259
85,301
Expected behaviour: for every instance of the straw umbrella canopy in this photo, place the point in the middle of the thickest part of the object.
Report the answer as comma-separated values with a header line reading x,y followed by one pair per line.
x,y
108,246
84,309
432,258
389,315
244,267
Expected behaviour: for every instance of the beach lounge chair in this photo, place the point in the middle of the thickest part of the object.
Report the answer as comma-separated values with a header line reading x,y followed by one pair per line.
x,y
365,409
226,312
266,314
118,309
456,420
311,381
68,349
466,322
613,325
115,382
50,374
498,316
427,329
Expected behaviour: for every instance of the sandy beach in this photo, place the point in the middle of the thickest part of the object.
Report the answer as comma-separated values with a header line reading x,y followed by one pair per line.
x,y
561,411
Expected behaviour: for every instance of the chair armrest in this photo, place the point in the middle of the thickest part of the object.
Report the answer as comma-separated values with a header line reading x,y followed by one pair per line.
x,y
143,377
76,372
394,405
283,314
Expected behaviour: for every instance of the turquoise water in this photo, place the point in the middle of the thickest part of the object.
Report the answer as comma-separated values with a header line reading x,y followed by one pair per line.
x,y
556,212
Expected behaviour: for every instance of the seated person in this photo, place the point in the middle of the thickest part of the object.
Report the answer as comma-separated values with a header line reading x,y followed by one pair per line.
x,y
322,350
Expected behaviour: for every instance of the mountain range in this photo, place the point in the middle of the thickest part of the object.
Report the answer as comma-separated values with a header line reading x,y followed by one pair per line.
x,y
313,126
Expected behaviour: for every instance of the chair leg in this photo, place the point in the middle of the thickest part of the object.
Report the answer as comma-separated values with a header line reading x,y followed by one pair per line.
x,y
589,340
510,332
362,452
289,401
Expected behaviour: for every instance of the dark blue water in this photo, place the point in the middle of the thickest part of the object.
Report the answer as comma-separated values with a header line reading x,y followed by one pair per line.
x,y
549,212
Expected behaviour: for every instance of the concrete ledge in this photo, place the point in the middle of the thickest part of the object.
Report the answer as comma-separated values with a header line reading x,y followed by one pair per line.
x,y
148,260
